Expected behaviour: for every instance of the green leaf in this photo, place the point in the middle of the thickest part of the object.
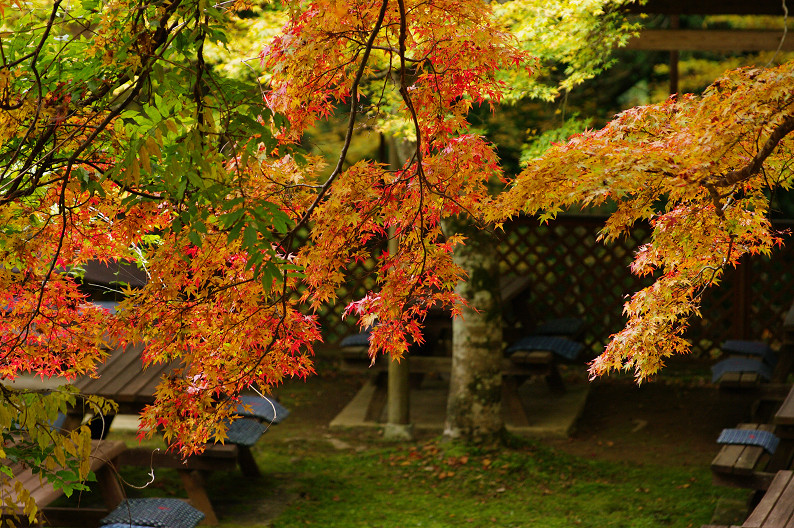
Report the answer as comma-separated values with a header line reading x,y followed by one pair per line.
x,y
195,238
250,237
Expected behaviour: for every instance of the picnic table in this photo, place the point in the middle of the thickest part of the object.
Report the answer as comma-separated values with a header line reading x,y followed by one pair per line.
x,y
743,463
123,379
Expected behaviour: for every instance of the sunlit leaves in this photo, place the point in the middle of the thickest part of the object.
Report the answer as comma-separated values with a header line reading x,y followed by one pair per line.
x,y
571,41
31,436
119,142
427,65
700,169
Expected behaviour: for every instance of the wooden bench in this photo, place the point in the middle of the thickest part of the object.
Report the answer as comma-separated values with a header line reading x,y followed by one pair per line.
x,y
743,466
740,372
103,462
353,348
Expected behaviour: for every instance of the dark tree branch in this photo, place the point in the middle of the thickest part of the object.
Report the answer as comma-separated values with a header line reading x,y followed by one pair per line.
x,y
751,169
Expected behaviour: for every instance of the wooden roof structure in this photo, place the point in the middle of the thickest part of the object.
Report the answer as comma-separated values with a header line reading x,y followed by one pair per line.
x,y
674,39
711,40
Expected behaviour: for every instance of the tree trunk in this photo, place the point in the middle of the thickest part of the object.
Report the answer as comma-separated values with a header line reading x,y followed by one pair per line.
x,y
474,405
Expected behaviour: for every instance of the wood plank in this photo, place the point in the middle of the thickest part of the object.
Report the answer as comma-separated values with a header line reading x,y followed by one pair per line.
x,y
740,380
729,380
783,509
709,40
725,461
776,490
142,388
750,379
214,458
747,460
118,366
785,414
103,453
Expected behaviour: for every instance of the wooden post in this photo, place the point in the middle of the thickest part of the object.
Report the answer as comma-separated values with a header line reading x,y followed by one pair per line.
x,y
674,24
193,481
398,426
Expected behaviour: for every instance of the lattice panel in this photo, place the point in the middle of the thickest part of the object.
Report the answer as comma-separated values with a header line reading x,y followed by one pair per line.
x,y
770,291
573,275
361,280
718,322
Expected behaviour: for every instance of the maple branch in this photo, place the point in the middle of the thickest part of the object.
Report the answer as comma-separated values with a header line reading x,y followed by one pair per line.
x,y
287,240
161,36
47,276
739,175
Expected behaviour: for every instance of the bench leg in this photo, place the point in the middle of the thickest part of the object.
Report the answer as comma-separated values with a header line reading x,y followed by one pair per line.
x,y
193,481
248,465
554,380
100,427
112,492
513,408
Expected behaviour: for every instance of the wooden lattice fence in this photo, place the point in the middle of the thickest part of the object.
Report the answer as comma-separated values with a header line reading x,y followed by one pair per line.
x,y
571,274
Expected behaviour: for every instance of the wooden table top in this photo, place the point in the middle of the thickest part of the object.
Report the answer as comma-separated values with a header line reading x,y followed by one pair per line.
x,y
123,379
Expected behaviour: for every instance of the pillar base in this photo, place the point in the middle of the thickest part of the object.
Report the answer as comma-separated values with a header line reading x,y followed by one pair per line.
x,y
398,432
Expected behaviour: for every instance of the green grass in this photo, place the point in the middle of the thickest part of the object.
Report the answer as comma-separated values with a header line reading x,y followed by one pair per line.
x,y
523,484
308,482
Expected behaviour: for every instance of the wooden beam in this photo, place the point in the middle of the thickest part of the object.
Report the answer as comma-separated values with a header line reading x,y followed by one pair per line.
x,y
709,40
708,7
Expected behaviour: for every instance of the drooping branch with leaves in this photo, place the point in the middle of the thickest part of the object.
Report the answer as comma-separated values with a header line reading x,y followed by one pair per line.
x,y
121,142
701,169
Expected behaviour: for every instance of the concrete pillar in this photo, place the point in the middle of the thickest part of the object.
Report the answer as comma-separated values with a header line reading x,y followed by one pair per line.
x,y
398,414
